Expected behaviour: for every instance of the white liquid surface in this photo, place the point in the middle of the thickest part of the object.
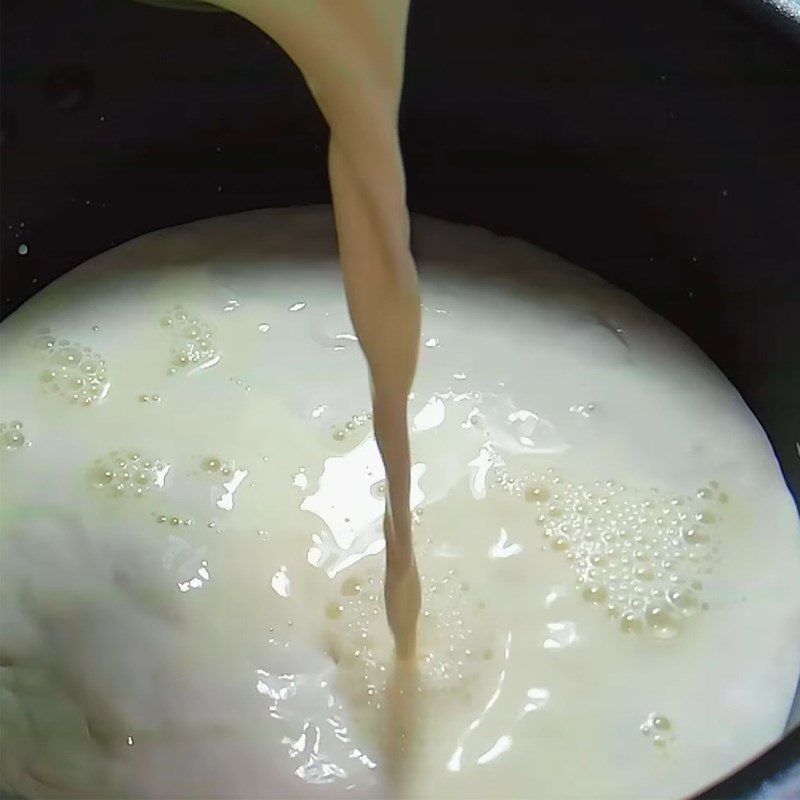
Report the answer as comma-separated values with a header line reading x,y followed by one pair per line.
x,y
214,627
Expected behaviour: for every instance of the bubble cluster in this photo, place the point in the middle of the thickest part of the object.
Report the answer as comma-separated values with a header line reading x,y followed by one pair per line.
x,y
453,642
72,371
11,435
641,555
149,398
357,421
214,464
659,729
193,341
583,409
163,519
127,474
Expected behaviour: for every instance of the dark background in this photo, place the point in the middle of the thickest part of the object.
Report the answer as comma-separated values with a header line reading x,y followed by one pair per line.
x,y
634,143
657,144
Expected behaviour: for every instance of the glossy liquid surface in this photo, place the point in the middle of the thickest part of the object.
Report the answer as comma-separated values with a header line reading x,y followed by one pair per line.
x,y
192,550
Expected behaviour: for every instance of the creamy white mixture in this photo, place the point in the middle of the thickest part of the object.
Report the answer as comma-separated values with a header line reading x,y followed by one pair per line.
x,y
191,559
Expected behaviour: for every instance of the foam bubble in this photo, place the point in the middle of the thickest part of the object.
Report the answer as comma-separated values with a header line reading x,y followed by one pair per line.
x,y
71,371
127,474
12,436
353,424
453,655
193,341
659,729
632,551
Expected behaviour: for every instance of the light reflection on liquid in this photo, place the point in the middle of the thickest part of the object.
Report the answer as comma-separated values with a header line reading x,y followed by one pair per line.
x,y
197,581
205,365
280,582
226,501
560,635
431,416
454,763
161,475
502,548
352,513
315,733
481,465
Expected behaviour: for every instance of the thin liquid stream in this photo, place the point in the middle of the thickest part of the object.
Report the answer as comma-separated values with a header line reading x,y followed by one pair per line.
x,y
352,56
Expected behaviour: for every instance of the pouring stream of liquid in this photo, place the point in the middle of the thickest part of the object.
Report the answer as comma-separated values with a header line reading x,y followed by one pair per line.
x,y
352,57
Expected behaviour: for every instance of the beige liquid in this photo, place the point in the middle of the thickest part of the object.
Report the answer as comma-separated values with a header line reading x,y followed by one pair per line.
x,y
351,55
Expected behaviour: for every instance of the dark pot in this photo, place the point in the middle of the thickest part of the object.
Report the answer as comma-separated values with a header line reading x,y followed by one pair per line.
x,y
657,145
